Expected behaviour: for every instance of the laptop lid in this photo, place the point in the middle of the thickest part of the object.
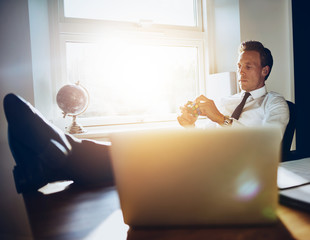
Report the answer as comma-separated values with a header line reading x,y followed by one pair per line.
x,y
197,177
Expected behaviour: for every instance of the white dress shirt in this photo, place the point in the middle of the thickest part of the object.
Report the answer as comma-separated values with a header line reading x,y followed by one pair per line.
x,y
262,108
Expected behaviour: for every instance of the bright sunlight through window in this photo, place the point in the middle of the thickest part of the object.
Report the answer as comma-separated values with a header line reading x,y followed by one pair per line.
x,y
128,79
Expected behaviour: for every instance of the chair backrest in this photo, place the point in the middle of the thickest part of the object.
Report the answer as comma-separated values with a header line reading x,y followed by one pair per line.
x,y
289,132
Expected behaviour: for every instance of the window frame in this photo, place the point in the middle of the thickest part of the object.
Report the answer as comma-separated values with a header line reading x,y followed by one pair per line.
x,y
88,30
116,24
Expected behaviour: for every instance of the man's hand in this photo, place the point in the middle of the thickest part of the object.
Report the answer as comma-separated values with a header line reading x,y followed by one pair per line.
x,y
186,119
208,109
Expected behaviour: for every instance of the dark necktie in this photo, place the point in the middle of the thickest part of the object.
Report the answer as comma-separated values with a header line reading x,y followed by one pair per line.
x,y
236,114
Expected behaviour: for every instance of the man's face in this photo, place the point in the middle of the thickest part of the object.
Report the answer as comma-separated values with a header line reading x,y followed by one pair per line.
x,y
251,75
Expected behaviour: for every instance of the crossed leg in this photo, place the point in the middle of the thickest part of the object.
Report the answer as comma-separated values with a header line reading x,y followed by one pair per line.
x,y
43,153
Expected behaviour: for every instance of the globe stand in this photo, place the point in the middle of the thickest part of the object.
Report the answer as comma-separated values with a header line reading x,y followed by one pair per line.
x,y
73,99
75,128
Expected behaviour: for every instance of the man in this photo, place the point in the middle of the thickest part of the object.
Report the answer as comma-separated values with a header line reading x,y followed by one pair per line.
x,y
44,154
261,107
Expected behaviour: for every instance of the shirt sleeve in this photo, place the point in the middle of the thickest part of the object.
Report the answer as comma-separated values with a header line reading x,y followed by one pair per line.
x,y
276,113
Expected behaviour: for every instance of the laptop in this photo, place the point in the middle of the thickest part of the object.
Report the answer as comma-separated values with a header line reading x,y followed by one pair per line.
x,y
190,177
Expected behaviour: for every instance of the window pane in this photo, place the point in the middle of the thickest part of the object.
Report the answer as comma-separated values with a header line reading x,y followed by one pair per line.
x,y
171,12
129,79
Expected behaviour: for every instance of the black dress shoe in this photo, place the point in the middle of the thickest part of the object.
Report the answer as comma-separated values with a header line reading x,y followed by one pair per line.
x,y
40,149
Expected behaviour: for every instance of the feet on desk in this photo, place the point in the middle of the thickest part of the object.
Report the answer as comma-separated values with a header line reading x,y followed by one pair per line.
x,y
43,153
39,149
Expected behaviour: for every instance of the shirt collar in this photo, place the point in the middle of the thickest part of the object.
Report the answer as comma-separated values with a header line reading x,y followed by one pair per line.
x,y
257,93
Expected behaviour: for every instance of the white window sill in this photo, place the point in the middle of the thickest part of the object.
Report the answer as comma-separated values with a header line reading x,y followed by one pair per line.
x,y
102,133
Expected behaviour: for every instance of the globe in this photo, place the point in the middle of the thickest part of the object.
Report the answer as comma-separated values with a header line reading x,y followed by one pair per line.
x,y
73,99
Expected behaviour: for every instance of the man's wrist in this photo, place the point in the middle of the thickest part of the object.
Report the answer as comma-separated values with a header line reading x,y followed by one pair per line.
x,y
227,121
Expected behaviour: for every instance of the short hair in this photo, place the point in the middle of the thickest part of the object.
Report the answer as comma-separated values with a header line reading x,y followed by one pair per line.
x,y
265,54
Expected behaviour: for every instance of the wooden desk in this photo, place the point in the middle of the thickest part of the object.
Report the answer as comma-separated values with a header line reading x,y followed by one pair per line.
x,y
95,213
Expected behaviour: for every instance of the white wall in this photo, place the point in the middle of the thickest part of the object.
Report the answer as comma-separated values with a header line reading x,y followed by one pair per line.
x,y
224,35
268,21
15,76
15,53
41,56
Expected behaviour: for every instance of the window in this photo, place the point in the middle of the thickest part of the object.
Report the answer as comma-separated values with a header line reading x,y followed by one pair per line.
x,y
140,60
169,12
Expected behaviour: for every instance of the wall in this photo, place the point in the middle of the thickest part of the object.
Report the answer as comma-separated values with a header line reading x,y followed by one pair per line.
x,y
41,57
15,76
224,34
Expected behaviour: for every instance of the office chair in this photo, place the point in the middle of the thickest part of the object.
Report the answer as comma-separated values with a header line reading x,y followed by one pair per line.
x,y
289,133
